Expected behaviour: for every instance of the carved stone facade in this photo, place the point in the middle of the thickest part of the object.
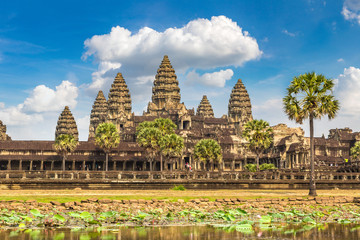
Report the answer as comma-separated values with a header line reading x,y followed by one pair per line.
x,y
290,149
66,124
204,109
239,106
98,113
166,92
3,135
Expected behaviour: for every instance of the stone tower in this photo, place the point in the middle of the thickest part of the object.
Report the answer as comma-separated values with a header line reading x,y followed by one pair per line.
x,y
66,124
98,113
166,91
204,109
119,102
239,106
3,135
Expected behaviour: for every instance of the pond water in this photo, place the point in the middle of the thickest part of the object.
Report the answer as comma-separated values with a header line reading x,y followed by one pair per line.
x,y
279,231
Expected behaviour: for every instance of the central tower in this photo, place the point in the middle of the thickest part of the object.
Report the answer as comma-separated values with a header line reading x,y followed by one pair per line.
x,y
165,92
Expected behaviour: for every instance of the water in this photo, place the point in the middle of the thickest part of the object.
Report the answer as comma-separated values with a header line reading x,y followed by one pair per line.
x,y
280,231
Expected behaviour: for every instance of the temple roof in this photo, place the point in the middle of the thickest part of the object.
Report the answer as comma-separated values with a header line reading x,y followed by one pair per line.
x,y
239,104
66,124
98,113
204,108
119,98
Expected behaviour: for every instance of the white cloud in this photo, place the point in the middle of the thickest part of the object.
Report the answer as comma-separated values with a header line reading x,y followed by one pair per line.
x,y
83,126
340,60
347,91
288,33
351,10
216,79
45,99
2,105
200,44
14,116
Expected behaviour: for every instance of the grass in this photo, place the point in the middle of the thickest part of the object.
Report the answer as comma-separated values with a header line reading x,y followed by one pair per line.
x,y
171,195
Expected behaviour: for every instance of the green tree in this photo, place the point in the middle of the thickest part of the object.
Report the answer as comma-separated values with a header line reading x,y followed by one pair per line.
x,y
258,135
171,145
355,151
208,151
309,96
158,138
107,138
65,144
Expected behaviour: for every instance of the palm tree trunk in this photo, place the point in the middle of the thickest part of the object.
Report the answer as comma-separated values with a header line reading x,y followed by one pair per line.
x,y
161,162
63,162
257,162
312,187
106,161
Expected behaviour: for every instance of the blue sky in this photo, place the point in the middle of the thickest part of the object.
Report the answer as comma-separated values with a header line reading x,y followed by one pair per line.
x,y
57,53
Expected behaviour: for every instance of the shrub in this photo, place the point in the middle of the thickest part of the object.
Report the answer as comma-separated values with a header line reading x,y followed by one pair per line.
x,y
267,166
250,167
179,188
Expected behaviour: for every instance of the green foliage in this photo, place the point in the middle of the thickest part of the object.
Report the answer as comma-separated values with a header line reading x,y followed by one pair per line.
x,y
250,167
267,166
258,135
107,136
59,218
65,143
208,150
310,95
355,150
179,188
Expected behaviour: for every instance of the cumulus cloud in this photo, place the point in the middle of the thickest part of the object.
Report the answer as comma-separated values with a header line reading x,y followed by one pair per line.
x,y
42,100
45,99
351,10
340,60
2,105
200,44
289,33
347,90
216,79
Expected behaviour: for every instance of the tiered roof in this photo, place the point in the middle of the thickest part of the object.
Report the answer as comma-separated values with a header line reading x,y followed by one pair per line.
x,y
119,100
166,86
239,104
98,113
205,109
66,124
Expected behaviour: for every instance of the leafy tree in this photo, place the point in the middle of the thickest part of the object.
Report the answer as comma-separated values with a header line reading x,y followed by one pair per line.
x,y
107,137
158,137
258,135
355,150
267,166
65,144
310,96
208,151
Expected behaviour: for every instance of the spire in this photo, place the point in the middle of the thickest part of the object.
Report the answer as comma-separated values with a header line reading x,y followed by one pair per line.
x,y
239,104
166,86
66,124
119,102
204,108
98,113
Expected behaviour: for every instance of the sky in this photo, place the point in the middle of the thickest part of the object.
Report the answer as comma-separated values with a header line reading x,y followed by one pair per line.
x,y
61,53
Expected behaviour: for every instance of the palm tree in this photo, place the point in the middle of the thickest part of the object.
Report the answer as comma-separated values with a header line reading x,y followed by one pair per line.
x,y
208,151
107,137
310,96
153,136
148,138
171,145
355,150
258,135
65,144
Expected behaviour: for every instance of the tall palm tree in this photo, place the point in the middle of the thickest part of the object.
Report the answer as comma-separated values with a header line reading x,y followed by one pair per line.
x,y
258,135
107,137
65,144
310,96
208,151
171,145
148,138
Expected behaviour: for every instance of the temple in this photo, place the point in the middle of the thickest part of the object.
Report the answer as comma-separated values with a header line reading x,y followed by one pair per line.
x,y
290,149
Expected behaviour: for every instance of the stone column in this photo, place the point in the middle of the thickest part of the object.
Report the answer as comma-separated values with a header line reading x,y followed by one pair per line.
x,y
93,166
124,165
83,166
9,165
20,165
42,165
31,165
133,167
52,165
114,168
73,166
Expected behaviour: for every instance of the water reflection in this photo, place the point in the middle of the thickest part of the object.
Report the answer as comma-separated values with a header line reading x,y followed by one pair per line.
x,y
328,231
